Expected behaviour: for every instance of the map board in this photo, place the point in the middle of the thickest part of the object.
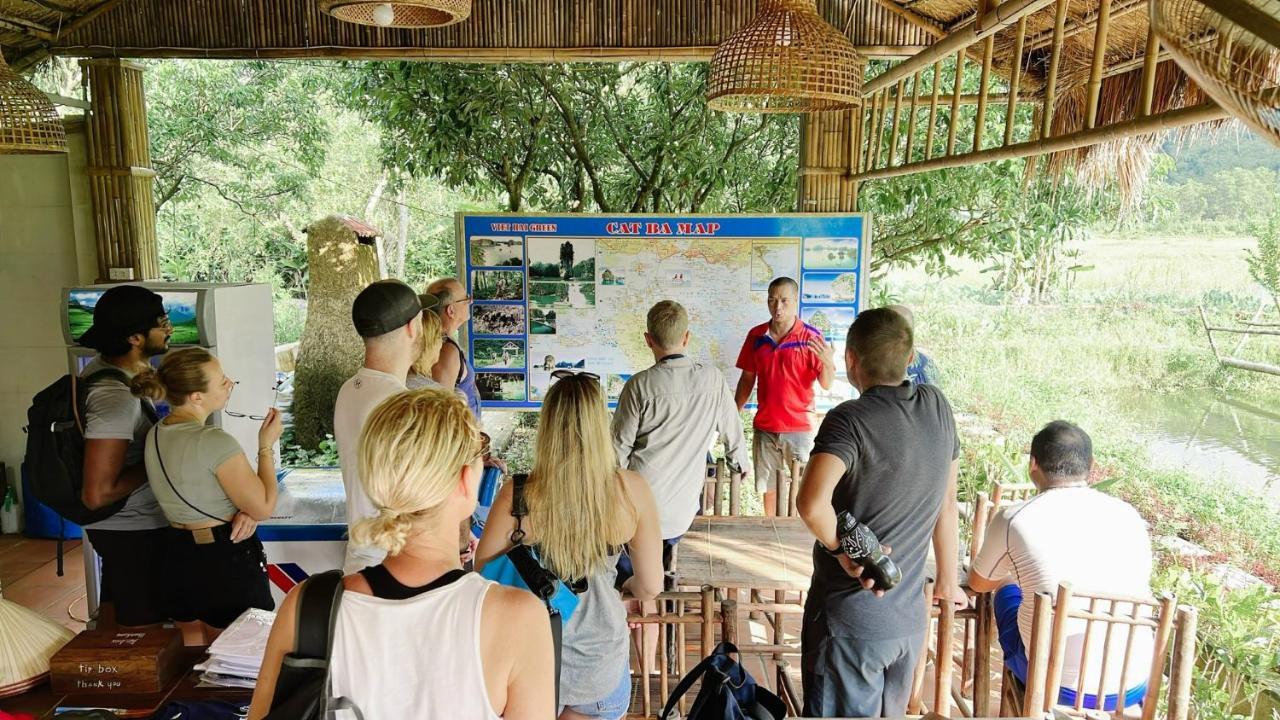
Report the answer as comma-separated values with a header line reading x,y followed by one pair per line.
x,y
572,291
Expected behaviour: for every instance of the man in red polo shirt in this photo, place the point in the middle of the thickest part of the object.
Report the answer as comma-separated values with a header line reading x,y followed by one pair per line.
x,y
786,356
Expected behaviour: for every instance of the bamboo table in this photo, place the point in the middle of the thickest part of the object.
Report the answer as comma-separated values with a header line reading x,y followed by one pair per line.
x,y
760,553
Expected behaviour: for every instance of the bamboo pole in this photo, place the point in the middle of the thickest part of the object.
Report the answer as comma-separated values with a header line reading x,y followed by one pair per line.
x,y
1044,39
897,123
958,40
982,656
933,109
942,659
1099,63
972,98
1055,61
1015,78
880,121
1170,119
1033,698
1161,647
1057,644
984,86
709,621
911,114
954,123
1184,660
1150,60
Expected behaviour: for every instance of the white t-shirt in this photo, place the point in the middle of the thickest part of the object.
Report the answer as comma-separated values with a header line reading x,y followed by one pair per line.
x,y
357,399
1094,541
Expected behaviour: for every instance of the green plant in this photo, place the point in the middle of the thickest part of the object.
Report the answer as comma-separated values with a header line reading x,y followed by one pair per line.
x,y
295,456
1264,263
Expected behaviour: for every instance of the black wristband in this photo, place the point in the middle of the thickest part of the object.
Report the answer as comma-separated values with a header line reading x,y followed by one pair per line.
x,y
838,552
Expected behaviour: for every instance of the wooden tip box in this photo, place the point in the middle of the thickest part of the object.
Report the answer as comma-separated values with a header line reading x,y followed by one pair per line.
x,y
118,660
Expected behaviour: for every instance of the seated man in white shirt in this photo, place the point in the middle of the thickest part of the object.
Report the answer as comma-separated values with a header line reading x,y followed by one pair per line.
x,y
1070,533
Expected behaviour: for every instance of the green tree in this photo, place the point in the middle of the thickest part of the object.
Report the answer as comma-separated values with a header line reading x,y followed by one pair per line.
x,y
1264,263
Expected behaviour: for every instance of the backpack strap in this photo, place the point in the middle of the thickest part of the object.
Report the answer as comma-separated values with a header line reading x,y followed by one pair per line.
x,y
530,574
519,507
317,612
686,683
155,440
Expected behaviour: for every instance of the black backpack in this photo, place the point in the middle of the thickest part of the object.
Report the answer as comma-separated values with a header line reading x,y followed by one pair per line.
x,y
728,691
55,446
302,688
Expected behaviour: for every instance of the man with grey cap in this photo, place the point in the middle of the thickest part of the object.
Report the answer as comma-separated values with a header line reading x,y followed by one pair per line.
x,y
130,326
388,315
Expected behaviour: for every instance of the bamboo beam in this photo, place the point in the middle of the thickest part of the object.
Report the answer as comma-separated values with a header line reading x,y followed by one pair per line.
x,y
1169,120
953,125
972,98
26,27
1015,78
1083,23
1099,63
992,22
933,109
984,86
1055,61
1150,59
65,101
35,56
911,114
897,122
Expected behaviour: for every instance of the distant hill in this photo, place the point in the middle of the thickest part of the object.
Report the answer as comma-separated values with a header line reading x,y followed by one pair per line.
x,y
1199,157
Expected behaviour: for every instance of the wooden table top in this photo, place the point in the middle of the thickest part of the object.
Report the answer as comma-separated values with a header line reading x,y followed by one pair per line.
x,y
746,552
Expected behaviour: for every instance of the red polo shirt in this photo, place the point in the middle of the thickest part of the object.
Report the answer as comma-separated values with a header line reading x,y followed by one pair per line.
x,y
785,373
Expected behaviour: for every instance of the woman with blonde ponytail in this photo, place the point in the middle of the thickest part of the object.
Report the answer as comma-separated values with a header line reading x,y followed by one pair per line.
x,y
582,509
415,636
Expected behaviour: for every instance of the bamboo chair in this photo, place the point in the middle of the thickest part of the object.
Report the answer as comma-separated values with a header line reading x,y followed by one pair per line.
x,y
983,511
677,613
789,489
1009,493
969,693
1111,619
777,651
721,483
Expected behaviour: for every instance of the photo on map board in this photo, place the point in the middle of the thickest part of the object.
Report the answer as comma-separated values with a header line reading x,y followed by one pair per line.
x,y
613,386
539,382
497,251
497,353
829,287
508,386
830,253
497,285
562,272
833,321
772,259
497,319
542,322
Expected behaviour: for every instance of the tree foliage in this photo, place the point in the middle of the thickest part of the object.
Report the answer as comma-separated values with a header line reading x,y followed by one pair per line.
x,y
632,137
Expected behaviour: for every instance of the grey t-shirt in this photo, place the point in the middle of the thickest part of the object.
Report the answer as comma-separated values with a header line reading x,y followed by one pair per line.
x,y
897,444
192,455
114,413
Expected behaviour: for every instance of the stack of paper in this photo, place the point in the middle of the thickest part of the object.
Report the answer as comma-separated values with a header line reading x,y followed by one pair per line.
x,y
235,658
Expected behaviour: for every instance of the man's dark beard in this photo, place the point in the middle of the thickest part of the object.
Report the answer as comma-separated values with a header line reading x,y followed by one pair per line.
x,y
151,349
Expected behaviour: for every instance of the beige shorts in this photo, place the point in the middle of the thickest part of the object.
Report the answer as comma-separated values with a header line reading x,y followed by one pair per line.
x,y
773,452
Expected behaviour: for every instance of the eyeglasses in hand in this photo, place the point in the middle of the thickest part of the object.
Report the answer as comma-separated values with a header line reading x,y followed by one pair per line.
x,y
275,396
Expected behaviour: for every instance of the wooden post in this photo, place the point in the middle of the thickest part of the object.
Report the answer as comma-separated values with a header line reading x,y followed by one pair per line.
x,y
119,169
933,109
954,124
1055,60
1149,63
709,620
1099,63
982,656
1058,647
1010,114
729,622
1037,655
980,123
1163,631
942,659
1184,661
911,115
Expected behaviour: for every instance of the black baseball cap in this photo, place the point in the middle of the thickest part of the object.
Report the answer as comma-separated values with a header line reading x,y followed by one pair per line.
x,y
122,311
384,306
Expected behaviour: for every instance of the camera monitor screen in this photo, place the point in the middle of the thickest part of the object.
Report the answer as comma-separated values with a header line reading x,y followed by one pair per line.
x,y
181,305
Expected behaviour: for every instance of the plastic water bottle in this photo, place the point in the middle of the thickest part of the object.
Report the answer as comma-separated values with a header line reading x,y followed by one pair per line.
x,y
10,511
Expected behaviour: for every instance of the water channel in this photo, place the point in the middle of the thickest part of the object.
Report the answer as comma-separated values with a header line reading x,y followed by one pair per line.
x,y
1219,437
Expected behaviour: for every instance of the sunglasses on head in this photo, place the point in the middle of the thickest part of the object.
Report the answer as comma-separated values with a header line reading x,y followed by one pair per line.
x,y
567,372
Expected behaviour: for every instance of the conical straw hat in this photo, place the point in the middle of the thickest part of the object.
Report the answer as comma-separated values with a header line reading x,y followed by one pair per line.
x,y
27,641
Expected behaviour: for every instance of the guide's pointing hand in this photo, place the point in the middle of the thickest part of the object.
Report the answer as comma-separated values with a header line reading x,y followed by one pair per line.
x,y
825,350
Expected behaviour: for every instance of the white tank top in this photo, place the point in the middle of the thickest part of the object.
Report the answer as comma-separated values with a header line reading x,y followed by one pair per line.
x,y
415,658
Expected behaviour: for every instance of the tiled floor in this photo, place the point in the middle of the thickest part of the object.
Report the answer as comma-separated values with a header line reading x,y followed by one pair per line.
x,y
28,576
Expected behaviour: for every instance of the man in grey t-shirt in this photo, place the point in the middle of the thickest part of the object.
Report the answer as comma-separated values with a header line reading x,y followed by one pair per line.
x,y
890,459
129,326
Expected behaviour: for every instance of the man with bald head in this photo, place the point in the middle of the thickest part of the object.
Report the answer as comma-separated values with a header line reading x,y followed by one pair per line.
x,y
453,370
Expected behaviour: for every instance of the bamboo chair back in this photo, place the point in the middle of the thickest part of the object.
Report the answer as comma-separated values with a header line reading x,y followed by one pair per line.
x,y
789,489
722,492
677,616
1009,493
1092,628
963,682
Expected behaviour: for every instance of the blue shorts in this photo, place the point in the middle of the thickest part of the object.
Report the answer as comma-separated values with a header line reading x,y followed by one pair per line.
x,y
1006,602
612,707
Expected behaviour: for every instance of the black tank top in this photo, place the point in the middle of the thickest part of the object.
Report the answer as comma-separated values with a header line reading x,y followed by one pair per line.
x,y
385,586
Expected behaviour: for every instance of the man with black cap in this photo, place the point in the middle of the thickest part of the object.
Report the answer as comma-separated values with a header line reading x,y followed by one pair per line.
x,y
388,315
130,325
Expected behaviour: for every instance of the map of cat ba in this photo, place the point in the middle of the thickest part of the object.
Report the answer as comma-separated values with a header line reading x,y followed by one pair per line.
x,y
579,296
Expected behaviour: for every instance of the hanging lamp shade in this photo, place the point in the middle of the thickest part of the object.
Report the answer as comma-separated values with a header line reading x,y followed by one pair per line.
x,y
399,14
27,641
29,124
786,60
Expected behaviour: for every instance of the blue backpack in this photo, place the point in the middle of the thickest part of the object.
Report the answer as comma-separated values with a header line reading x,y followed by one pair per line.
x,y
728,691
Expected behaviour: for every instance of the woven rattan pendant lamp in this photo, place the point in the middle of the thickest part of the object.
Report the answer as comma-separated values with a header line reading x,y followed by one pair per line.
x,y
786,60
399,14
29,125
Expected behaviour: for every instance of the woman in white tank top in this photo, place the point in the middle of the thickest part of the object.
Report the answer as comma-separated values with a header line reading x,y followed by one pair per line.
x,y
415,636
